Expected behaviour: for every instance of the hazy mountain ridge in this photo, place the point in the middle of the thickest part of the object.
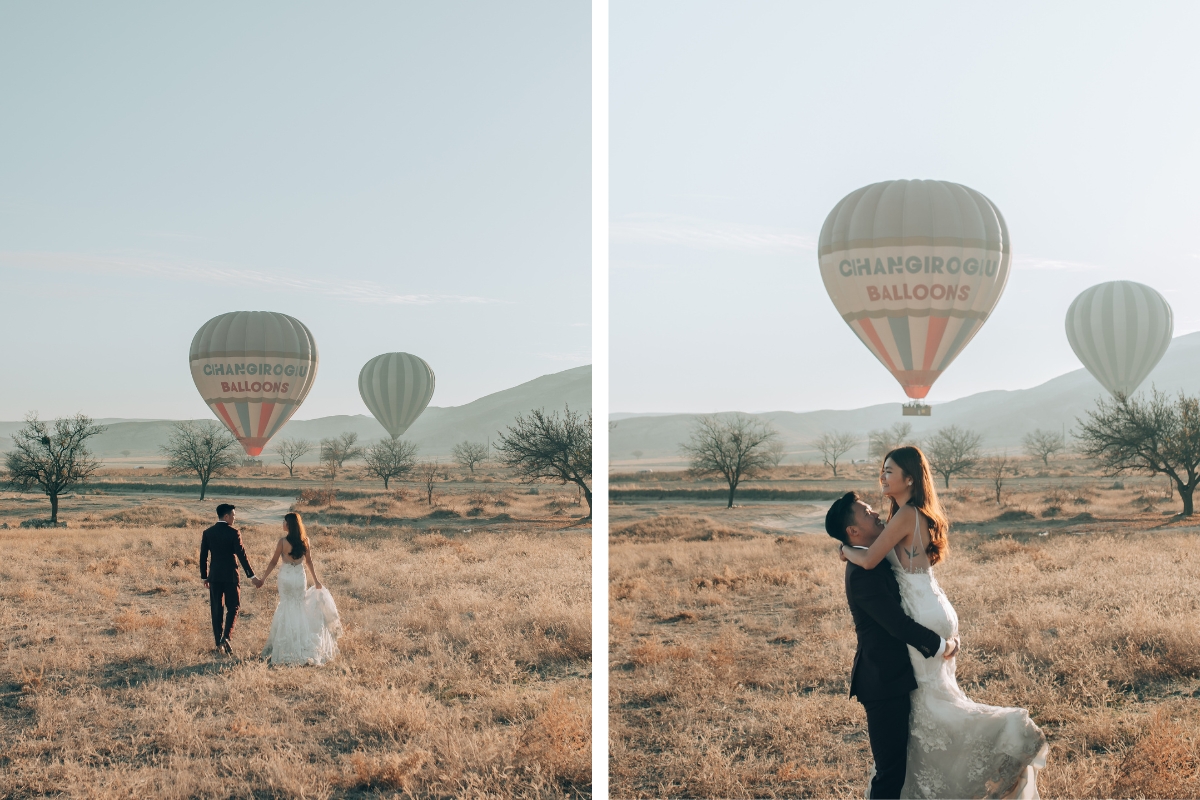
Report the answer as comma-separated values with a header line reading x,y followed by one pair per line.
x,y
1002,416
435,432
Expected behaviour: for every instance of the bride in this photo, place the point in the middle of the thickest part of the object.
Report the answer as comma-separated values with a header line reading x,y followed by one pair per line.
x,y
305,627
956,747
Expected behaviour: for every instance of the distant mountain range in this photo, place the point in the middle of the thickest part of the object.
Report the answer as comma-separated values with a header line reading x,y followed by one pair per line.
x,y
435,432
1003,417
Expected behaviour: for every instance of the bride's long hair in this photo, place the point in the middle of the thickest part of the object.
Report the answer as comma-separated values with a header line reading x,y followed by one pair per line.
x,y
296,536
924,499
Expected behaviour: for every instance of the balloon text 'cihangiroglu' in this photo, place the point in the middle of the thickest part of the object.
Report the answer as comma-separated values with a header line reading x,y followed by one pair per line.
x,y
915,268
253,369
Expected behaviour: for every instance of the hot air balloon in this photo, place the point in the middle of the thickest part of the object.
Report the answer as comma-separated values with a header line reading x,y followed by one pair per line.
x,y
915,268
396,388
1120,330
253,369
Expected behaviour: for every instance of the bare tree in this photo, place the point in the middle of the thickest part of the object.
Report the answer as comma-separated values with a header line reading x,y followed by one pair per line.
x,y
1156,436
736,448
341,449
544,446
336,451
832,445
292,450
429,473
997,469
1043,444
882,442
953,451
391,458
775,452
203,448
468,454
52,459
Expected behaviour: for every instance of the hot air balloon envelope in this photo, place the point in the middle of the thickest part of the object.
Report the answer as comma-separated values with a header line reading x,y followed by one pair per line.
x,y
396,387
1120,330
915,268
253,369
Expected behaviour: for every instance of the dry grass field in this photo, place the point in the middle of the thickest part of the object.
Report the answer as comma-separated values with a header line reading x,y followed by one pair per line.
x,y
731,642
464,668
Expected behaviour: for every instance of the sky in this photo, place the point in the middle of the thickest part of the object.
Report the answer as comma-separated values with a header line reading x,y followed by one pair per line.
x,y
398,176
736,128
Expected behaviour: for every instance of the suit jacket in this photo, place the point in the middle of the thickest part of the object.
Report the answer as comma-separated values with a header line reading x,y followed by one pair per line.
x,y
881,666
225,544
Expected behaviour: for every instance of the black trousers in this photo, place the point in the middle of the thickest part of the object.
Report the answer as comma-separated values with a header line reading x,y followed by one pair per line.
x,y
226,591
887,727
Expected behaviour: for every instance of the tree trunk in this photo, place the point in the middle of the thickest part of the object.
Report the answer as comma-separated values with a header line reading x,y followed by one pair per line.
x,y
54,507
1185,494
203,488
947,476
587,495
385,480
732,489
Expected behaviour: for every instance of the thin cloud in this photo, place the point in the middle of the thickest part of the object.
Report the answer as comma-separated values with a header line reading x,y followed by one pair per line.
x,y
1033,262
228,275
668,229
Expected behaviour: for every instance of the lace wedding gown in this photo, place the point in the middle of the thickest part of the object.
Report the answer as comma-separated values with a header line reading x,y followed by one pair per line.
x,y
305,627
956,747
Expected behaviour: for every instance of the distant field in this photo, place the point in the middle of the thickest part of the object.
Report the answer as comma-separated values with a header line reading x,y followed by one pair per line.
x,y
731,642
465,667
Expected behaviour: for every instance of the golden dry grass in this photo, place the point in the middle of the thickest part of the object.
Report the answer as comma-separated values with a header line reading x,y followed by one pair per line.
x,y
464,669
730,659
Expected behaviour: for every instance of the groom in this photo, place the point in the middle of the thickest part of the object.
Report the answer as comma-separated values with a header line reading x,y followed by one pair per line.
x,y
224,543
882,675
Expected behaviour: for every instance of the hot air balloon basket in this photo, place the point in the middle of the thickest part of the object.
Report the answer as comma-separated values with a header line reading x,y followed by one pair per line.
x,y
915,410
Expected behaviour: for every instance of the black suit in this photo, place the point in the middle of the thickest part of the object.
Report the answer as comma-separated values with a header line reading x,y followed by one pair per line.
x,y
223,542
882,676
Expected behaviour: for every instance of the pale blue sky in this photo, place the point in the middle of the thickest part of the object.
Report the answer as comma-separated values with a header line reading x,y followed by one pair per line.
x,y
736,127
407,177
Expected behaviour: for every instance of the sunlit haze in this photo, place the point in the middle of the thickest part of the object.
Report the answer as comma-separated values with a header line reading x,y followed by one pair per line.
x,y
400,177
737,127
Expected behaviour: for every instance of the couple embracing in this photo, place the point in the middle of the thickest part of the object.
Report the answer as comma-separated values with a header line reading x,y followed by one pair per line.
x,y
927,738
305,627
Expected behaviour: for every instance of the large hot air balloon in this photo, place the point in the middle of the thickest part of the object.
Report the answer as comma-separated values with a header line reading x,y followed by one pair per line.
x,y
1120,330
254,369
396,388
915,268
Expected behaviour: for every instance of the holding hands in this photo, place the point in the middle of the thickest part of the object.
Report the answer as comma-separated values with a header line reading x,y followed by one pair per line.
x,y
952,648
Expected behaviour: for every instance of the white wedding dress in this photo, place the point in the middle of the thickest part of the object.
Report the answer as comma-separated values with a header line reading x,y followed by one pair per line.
x,y
959,748
306,626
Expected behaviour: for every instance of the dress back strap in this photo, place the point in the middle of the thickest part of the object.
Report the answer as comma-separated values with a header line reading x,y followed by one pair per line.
x,y
918,543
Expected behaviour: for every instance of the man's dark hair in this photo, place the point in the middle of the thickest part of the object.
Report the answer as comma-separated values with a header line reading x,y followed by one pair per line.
x,y
841,516
224,509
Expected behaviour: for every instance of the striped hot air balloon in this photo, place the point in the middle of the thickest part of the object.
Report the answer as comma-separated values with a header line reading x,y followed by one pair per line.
x,y
1120,330
915,268
253,369
396,387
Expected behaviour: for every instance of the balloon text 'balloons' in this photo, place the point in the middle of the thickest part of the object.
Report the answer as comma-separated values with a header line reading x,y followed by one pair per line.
x,y
915,268
253,369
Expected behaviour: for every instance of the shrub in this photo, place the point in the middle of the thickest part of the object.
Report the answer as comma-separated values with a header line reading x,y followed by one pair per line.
x,y
316,497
